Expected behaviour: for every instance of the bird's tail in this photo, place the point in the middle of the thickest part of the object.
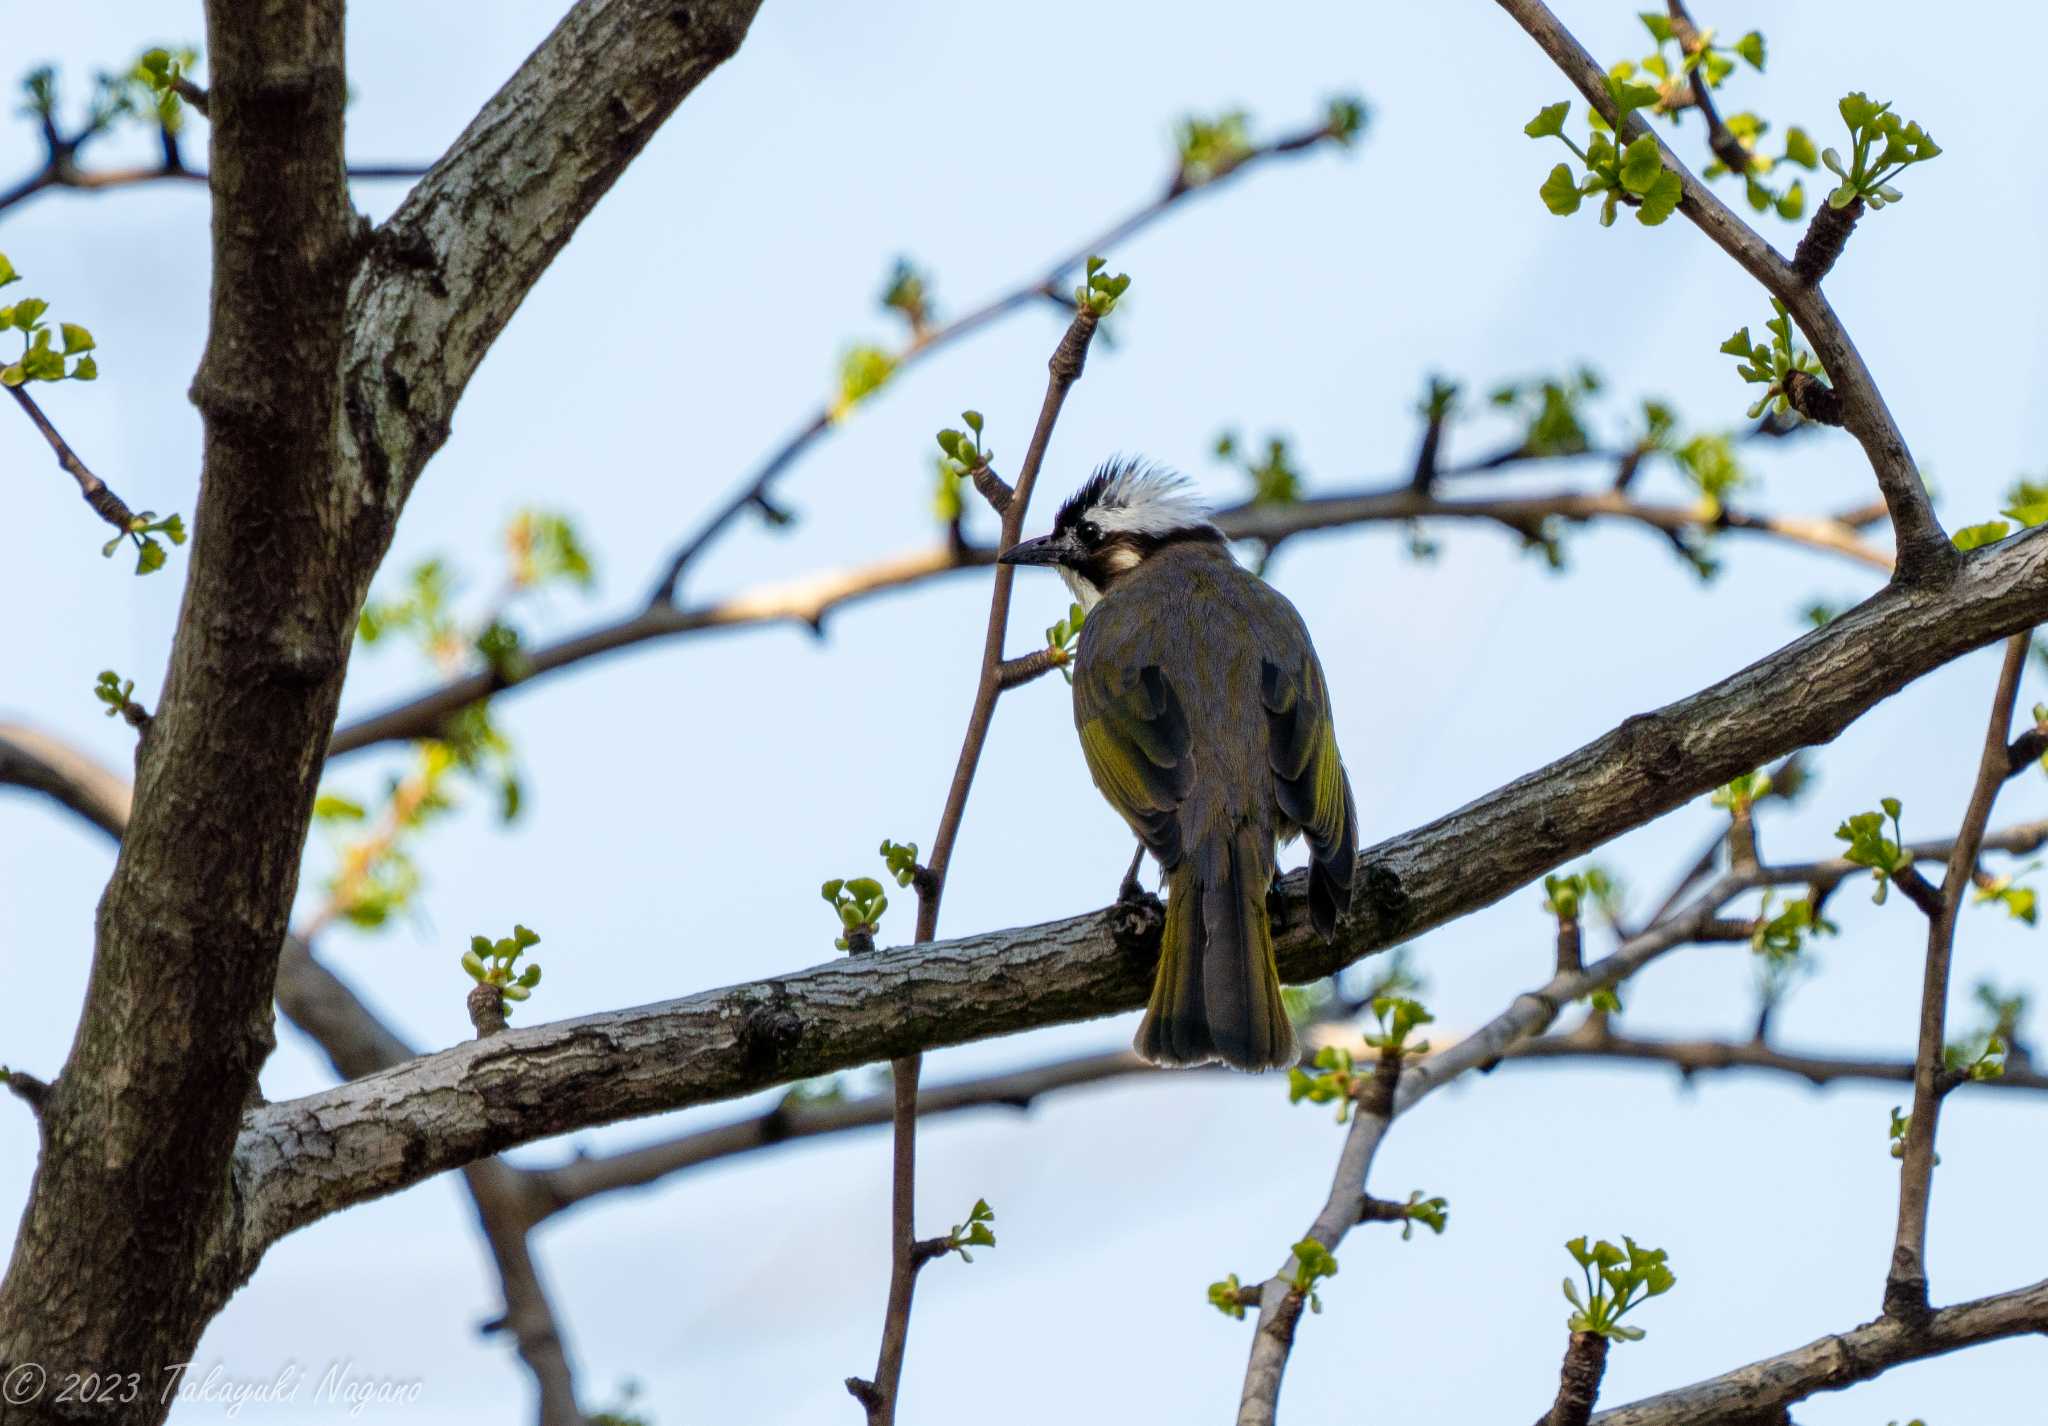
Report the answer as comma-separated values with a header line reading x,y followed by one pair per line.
x,y
1217,994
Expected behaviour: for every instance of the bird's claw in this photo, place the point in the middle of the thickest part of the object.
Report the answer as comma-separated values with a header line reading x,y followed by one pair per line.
x,y
1278,915
1137,918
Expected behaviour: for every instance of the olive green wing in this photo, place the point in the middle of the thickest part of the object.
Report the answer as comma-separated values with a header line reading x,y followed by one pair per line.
x,y
1309,782
1135,738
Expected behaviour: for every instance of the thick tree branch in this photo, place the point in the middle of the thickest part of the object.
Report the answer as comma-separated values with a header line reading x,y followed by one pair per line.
x,y
1762,1391
442,277
358,1044
40,763
509,1201
1925,552
120,1258
447,1109
322,398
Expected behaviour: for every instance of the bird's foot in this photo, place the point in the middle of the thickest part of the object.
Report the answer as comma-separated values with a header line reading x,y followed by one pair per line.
x,y
1278,916
1137,918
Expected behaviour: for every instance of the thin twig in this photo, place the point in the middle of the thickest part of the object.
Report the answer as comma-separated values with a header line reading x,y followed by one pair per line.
x,y
25,1087
1529,1014
575,1182
1046,285
1725,145
1694,1057
1012,673
1905,1290
60,162
879,1395
810,599
105,503
1925,551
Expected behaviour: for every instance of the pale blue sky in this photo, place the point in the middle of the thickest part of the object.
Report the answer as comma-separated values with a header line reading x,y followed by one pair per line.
x,y
687,800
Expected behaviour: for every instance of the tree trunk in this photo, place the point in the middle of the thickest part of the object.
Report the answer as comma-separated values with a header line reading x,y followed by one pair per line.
x,y
128,1244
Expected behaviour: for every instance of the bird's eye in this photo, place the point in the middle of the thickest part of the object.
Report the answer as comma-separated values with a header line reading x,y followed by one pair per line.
x,y
1089,532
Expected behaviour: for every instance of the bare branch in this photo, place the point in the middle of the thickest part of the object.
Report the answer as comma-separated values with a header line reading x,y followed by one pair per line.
x,y
1925,552
586,1177
441,278
926,342
810,599
446,1109
1762,1391
1720,139
1905,1292
1064,369
67,176
105,503
25,1087
1526,516
40,763
509,1201
1392,1094
1692,1057
1025,667
581,1179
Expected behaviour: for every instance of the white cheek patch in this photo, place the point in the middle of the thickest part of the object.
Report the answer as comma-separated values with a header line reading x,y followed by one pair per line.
x,y
1085,594
1122,559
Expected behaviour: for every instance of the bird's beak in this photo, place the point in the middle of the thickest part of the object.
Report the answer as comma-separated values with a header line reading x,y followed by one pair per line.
x,y
1047,549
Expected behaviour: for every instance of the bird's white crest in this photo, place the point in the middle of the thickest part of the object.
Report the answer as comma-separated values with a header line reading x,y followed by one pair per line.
x,y
1145,500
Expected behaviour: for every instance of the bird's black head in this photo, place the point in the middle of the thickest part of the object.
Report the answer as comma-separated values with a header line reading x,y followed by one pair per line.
x,y
1126,512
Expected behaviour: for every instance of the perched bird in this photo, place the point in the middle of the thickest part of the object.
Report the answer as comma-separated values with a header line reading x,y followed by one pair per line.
x,y
1206,722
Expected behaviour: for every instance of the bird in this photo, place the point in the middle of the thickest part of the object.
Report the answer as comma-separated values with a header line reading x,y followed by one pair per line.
x,y
1205,721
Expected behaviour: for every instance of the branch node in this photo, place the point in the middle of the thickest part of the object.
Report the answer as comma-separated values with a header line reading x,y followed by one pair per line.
x,y
192,94
1825,237
1072,353
1918,889
1381,1210
992,488
1426,456
26,1087
1905,1300
1578,1380
486,1009
1814,399
1010,673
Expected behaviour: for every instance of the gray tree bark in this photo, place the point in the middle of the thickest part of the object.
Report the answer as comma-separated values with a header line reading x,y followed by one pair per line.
x,y
334,358
302,1160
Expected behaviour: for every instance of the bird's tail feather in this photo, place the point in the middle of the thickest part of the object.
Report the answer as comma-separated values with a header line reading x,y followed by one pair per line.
x,y
1217,993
